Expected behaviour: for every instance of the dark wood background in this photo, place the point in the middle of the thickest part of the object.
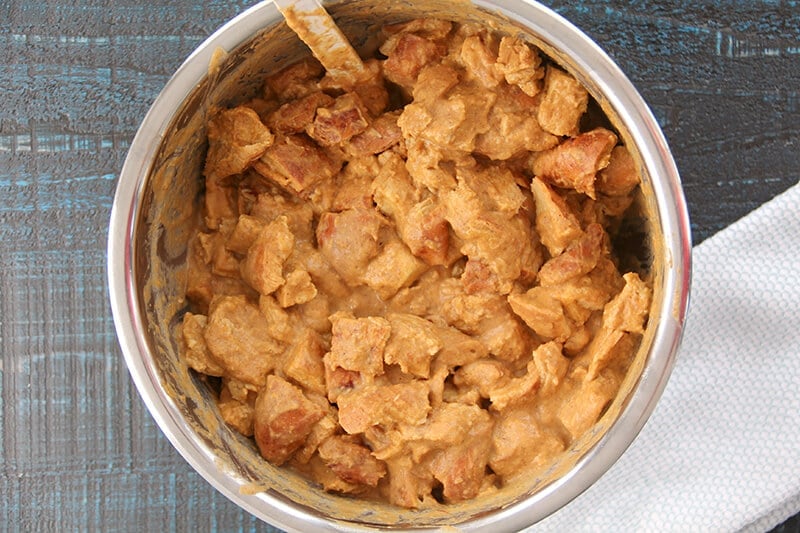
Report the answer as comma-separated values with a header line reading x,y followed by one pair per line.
x,y
79,450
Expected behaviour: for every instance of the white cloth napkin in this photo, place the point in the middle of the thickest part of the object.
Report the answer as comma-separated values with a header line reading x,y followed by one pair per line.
x,y
721,452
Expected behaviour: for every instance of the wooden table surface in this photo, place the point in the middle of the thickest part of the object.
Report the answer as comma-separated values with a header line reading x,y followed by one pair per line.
x,y
79,450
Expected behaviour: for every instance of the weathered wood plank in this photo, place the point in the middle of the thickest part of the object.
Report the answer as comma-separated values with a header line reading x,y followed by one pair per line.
x,y
79,450
723,78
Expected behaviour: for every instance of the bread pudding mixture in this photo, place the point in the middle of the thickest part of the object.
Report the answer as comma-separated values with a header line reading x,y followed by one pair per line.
x,y
407,286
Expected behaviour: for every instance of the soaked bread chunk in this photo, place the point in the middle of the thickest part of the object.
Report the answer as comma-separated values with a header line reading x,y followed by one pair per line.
x,y
407,290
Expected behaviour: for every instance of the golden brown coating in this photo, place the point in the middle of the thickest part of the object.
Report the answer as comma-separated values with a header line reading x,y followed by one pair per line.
x,y
408,288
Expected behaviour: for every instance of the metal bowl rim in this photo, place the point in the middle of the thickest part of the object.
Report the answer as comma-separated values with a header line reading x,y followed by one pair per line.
x,y
632,111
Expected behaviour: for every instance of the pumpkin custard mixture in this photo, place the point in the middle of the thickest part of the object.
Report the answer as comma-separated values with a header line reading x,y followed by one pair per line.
x,y
405,289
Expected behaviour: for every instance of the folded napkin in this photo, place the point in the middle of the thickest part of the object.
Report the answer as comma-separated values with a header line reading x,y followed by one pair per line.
x,y
721,451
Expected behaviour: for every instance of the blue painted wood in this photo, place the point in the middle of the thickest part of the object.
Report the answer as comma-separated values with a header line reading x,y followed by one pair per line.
x,y
723,79
79,450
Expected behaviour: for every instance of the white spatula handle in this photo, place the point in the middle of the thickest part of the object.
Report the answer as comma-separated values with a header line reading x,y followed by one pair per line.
x,y
315,27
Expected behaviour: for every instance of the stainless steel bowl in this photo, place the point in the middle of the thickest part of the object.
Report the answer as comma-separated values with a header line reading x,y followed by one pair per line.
x,y
155,210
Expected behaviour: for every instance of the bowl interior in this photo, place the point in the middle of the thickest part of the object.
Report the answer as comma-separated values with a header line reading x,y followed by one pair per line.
x,y
167,212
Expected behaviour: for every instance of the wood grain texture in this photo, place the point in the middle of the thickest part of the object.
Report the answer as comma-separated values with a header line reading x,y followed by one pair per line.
x,y
79,450
723,80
